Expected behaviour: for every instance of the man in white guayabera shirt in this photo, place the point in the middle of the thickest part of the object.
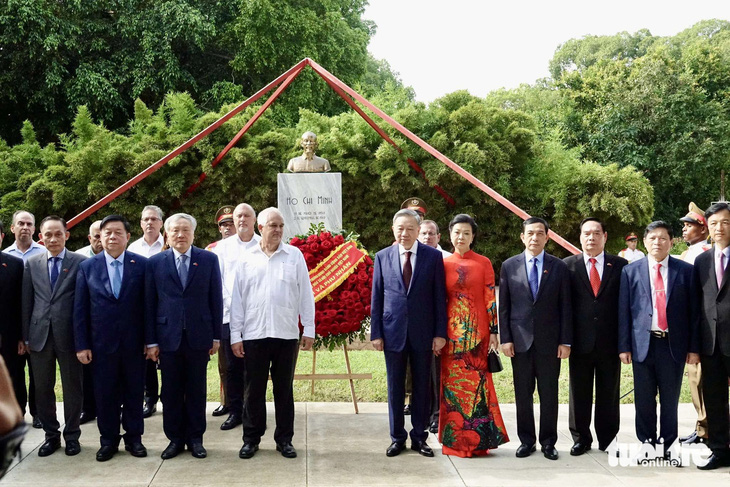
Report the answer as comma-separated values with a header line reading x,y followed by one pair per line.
x,y
271,294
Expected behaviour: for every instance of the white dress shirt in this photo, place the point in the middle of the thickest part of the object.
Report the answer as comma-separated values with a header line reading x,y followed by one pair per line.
x,y
229,252
144,249
663,270
34,249
694,250
86,251
631,255
600,259
402,252
444,253
270,295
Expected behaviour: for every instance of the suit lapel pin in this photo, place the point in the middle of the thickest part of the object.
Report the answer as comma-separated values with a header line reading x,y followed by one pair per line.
x,y
4,264
195,264
132,261
609,264
65,270
545,271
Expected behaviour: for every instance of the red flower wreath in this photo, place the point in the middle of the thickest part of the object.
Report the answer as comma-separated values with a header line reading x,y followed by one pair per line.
x,y
341,316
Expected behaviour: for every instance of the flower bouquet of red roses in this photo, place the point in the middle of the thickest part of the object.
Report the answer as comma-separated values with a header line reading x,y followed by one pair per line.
x,y
342,276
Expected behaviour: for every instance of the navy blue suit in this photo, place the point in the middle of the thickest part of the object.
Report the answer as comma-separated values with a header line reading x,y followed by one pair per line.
x,y
408,323
536,327
184,321
113,329
658,363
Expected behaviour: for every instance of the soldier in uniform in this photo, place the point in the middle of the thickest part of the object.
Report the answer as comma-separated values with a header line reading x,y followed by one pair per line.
x,y
224,220
630,253
695,233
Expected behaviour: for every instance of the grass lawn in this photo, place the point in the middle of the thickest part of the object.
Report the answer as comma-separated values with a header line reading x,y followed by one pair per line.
x,y
368,361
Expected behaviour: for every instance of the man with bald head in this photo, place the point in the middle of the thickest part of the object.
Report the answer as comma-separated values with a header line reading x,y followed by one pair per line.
x,y
271,295
229,252
94,237
23,228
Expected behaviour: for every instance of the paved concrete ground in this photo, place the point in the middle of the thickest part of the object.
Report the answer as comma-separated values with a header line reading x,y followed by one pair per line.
x,y
339,448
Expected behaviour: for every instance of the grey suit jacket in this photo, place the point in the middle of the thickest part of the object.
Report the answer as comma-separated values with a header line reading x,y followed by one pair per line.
x,y
45,310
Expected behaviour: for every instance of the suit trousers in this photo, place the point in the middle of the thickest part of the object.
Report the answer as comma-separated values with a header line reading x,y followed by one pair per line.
x,y
151,382
420,370
278,356
605,368
184,393
658,372
435,388
715,374
694,378
16,369
89,406
223,367
119,390
234,377
528,368
44,374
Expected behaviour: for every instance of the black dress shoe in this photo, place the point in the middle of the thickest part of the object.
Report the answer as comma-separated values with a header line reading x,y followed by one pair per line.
x,y
395,448
287,450
37,423
715,461
149,409
106,452
136,450
422,448
221,410
172,450
72,447
407,409
86,417
49,446
198,450
579,448
550,452
248,450
231,422
434,427
525,450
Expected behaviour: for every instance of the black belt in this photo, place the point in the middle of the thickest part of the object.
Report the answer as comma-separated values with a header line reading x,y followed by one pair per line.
x,y
659,334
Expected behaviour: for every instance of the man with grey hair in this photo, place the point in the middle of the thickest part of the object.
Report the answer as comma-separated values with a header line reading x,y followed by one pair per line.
x,y
94,237
23,228
229,252
150,244
183,317
271,294
408,323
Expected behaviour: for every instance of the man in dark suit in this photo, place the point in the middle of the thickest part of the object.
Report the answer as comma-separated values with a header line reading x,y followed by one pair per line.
x,y
595,278
658,331
109,335
11,280
536,329
49,283
711,277
408,323
184,314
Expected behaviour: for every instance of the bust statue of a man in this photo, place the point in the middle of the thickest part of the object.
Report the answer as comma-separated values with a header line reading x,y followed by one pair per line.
x,y
308,161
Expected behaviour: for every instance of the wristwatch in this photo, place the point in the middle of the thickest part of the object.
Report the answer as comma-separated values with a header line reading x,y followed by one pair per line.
x,y
10,445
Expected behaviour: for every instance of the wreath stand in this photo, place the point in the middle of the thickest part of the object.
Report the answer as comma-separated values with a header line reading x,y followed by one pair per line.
x,y
313,377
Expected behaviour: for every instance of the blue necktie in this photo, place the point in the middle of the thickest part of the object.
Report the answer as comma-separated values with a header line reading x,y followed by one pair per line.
x,y
182,270
534,285
54,271
117,278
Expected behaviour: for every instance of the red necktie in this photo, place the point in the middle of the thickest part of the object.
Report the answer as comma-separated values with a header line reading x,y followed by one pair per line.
x,y
407,271
660,300
595,278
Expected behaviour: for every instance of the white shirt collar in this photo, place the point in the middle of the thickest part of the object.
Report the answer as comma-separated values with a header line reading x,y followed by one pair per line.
x,y
599,258
725,251
414,248
653,262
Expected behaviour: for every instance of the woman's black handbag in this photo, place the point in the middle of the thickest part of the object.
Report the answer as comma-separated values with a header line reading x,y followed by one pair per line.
x,y
494,364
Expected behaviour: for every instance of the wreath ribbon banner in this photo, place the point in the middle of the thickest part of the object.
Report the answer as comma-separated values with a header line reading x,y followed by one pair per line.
x,y
335,269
